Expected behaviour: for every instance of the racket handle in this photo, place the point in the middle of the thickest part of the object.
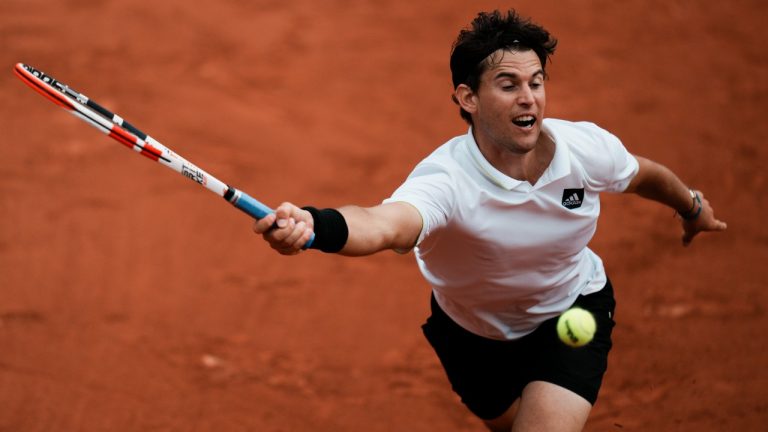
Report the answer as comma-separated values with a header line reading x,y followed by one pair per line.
x,y
248,204
253,207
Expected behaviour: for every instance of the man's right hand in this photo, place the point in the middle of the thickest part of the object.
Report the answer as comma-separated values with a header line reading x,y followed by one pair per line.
x,y
286,230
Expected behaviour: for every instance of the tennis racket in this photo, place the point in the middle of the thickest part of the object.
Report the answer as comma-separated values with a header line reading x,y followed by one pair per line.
x,y
125,133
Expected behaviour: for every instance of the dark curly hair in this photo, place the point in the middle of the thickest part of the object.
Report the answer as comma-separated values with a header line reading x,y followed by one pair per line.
x,y
489,32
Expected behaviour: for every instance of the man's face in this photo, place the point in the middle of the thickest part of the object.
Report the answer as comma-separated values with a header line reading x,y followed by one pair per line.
x,y
510,102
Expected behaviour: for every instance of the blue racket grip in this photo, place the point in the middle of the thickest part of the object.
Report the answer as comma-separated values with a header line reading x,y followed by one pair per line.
x,y
253,207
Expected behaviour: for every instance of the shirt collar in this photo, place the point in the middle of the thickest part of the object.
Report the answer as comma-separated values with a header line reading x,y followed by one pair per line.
x,y
558,168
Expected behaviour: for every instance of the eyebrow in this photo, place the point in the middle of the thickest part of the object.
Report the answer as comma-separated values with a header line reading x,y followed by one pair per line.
x,y
516,76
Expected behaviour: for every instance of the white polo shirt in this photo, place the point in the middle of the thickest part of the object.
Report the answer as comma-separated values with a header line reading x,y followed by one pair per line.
x,y
503,256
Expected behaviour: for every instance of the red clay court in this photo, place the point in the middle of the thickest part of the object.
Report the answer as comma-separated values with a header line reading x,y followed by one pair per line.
x,y
130,299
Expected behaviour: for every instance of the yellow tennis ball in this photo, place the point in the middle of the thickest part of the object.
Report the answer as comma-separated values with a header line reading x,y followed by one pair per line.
x,y
576,327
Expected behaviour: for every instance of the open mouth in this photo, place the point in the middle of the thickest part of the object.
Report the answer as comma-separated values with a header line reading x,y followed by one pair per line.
x,y
524,121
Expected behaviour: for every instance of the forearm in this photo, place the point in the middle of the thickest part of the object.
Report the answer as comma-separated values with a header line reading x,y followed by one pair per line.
x,y
388,226
350,230
657,182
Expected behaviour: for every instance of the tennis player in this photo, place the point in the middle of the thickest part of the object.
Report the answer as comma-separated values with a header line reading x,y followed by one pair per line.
x,y
500,220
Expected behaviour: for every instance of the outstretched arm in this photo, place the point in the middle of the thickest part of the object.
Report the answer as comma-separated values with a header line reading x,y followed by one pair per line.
x,y
388,226
656,182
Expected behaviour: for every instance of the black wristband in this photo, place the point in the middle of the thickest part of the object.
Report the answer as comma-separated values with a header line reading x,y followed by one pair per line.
x,y
331,231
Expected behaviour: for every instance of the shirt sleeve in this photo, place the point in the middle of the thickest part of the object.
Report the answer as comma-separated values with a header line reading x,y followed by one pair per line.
x,y
428,188
608,166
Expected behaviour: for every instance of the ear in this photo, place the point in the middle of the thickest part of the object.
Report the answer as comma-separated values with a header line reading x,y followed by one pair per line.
x,y
466,98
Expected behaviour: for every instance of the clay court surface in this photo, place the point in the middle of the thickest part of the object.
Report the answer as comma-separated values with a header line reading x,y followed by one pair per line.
x,y
133,300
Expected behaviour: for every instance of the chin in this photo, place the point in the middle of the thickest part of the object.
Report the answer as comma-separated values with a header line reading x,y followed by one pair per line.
x,y
522,147
529,140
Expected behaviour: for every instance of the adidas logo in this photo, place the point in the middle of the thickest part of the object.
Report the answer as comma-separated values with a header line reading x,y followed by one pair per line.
x,y
572,198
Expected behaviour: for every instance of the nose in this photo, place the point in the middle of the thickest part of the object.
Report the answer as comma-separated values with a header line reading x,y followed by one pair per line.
x,y
525,96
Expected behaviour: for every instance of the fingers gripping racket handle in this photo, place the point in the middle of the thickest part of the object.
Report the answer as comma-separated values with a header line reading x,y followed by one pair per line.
x,y
253,207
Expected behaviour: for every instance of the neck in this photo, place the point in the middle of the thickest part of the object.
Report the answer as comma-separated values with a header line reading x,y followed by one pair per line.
x,y
523,166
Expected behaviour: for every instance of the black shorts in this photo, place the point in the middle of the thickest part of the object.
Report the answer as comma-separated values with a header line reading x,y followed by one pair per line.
x,y
489,375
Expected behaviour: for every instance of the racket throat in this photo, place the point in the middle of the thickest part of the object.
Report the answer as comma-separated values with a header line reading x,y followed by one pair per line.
x,y
231,194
